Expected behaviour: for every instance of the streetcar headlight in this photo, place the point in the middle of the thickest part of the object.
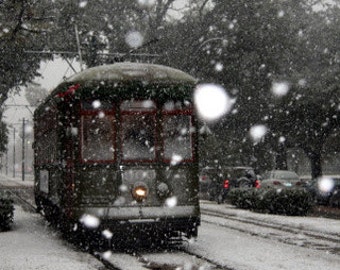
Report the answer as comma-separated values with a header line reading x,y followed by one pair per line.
x,y
140,191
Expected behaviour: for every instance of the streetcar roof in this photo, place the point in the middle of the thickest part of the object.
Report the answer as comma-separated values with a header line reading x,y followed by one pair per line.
x,y
127,71
127,81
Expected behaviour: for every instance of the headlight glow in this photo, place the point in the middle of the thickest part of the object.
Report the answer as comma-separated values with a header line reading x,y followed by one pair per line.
x,y
140,191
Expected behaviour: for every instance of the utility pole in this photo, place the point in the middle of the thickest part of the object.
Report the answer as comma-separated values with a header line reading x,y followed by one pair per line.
x,y
7,161
14,153
23,150
78,46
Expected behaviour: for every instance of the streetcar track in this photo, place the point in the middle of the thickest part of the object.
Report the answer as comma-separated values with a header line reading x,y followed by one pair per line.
x,y
216,264
299,236
108,265
286,228
182,250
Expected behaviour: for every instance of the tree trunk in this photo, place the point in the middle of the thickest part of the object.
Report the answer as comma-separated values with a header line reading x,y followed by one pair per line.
x,y
315,161
281,158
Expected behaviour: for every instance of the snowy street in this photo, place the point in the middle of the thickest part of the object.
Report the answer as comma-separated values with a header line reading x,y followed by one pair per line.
x,y
245,246
32,244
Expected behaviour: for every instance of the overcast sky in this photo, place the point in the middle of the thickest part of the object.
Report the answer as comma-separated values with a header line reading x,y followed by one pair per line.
x,y
53,73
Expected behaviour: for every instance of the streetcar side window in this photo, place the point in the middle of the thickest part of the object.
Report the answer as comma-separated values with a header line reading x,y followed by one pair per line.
x,y
98,133
138,130
46,136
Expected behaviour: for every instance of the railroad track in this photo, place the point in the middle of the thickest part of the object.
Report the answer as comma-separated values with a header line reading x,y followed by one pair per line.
x,y
288,233
167,259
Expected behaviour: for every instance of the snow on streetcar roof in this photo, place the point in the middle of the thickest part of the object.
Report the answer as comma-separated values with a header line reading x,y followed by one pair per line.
x,y
127,80
133,71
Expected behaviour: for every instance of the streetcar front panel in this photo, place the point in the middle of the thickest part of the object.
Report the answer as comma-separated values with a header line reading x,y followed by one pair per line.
x,y
150,149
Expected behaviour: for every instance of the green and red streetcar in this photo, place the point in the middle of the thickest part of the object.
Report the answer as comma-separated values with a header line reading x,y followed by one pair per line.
x,y
119,143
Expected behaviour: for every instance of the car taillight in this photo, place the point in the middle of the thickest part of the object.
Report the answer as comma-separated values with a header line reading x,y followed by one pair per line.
x,y
203,177
226,184
257,184
277,183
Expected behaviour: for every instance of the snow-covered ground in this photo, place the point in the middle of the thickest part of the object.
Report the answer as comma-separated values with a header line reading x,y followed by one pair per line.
x,y
32,244
243,251
317,224
261,248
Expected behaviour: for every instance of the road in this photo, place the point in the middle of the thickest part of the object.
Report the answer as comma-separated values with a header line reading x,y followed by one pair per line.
x,y
244,240
228,239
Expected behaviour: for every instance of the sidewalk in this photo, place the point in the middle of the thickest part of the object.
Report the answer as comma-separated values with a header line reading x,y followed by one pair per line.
x,y
31,244
8,181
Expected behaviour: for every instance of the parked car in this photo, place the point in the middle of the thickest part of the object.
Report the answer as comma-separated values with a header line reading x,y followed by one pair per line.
x,y
215,183
334,200
326,190
281,179
212,185
243,177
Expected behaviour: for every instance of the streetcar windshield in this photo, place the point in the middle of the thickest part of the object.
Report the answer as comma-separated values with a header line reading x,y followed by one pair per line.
x,y
141,130
138,129
138,136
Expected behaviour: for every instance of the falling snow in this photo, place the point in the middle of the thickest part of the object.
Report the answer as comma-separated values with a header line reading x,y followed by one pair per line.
x,y
280,89
134,39
90,221
257,132
212,101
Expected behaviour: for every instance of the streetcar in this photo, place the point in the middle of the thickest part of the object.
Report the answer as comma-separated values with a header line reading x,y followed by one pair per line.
x,y
118,144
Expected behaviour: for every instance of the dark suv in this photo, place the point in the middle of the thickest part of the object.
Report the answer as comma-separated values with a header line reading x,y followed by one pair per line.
x,y
215,183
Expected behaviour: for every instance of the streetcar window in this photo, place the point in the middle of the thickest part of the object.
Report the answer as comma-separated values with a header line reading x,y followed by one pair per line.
x,y
172,106
138,134
177,137
138,129
138,105
98,138
46,136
